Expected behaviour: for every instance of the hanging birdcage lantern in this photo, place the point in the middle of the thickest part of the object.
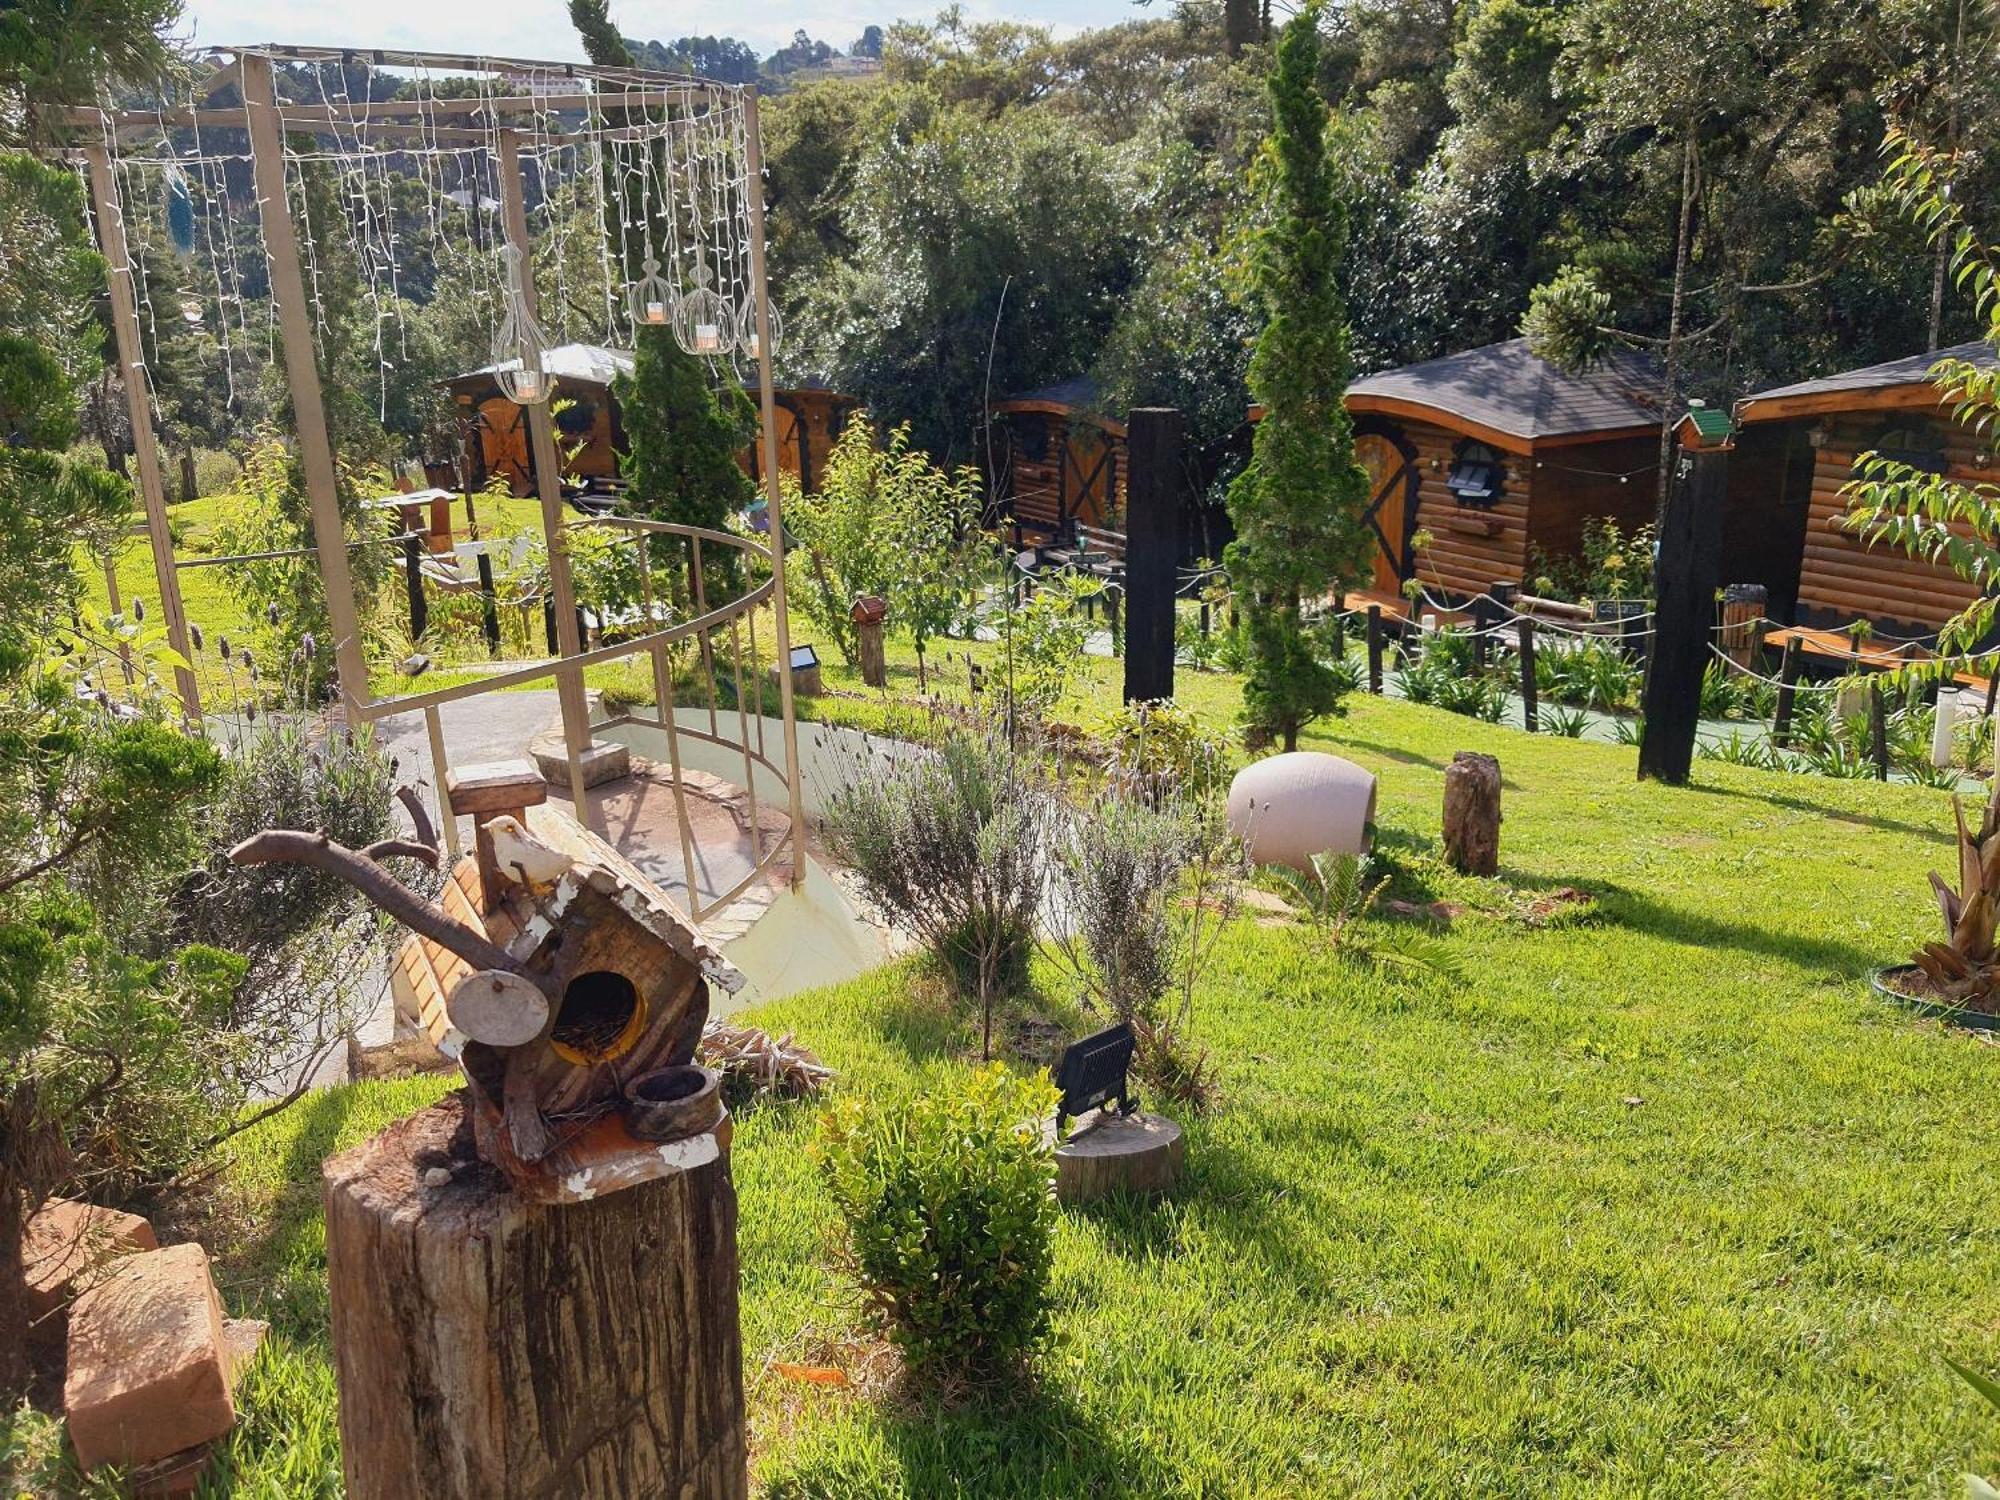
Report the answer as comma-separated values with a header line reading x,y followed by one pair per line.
x,y
652,299
520,344
748,320
703,322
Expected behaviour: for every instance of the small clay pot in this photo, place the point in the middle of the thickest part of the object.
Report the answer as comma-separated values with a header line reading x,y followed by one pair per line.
x,y
671,1104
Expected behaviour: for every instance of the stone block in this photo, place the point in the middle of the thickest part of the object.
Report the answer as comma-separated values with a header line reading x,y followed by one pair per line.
x,y
150,1361
68,1241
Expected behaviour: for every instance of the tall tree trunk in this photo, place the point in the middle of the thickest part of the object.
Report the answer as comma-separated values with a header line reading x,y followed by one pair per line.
x,y
1942,263
1240,24
1670,386
14,1368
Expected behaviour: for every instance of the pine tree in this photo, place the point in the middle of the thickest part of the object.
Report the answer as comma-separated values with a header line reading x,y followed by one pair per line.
x,y
683,435
1300,505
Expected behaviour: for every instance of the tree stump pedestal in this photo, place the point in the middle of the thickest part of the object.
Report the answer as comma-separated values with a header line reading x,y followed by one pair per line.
x,y
490,1347
1110,1153
1472,813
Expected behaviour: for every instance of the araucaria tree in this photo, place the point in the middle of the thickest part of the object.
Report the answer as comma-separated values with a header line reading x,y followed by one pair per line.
x,y
1300,505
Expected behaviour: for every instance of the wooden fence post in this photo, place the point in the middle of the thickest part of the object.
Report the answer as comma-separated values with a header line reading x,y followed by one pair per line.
x,y
490,612
1375,649
1878,729
1788,676
413,586
1524,629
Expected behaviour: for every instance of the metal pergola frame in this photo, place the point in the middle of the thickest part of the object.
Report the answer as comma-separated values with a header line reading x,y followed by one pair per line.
x,y
267,121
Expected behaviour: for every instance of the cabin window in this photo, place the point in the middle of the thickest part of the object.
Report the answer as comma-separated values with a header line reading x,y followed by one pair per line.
x,y
1920,448
1477,476
1031,440
577,418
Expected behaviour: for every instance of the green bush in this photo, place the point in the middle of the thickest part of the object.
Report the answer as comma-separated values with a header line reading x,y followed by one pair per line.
x,y
1159,749
952,844
950,1213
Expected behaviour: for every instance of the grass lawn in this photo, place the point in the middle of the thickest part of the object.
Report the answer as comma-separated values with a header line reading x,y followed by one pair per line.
x,y
1659,1200
211,595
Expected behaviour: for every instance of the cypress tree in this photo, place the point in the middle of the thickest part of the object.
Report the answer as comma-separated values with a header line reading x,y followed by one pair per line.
x,y
1300,505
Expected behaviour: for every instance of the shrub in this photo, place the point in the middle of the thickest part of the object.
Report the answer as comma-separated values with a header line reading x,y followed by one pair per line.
x,y
1592,673
1160,750
216,472
950,1213
1142,892
952,843
1047,639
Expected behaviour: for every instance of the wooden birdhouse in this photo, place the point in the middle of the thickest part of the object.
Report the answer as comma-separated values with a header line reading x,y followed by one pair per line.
x,y
566,986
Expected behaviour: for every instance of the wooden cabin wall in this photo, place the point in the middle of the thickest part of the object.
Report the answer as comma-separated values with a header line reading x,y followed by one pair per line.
x,y
1580,482
504,448
1764,527
1063,470
1841,577
1471,548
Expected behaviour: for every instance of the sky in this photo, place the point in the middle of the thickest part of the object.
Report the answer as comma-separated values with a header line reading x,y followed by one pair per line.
x,y
541,29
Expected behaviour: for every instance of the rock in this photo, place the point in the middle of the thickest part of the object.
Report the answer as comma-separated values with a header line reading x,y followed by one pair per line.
x,y
436,1177
150,1361
67,1241
1287,808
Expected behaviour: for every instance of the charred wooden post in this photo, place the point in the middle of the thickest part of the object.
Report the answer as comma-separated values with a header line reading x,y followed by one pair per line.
x,y
868,614
1472,813
1524,635
413,586
1690,559
1788,688
1154,481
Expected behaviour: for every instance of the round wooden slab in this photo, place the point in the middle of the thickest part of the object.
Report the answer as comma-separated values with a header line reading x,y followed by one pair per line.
x,y
497,1008
1135,1153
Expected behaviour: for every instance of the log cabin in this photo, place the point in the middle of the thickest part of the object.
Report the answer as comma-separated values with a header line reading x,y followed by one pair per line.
x,y
1498,455
1795,454
590,431
1058,462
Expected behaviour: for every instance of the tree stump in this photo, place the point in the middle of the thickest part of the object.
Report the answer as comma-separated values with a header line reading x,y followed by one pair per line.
x,y
489,1347
1472,813
1112,1153
868,613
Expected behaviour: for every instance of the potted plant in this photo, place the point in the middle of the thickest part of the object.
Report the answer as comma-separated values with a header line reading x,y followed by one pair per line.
x,y
1959,978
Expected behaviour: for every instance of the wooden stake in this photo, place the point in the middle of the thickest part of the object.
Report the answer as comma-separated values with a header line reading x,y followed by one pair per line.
x,y
131,366
1375,649
1524,631
288,295
754,189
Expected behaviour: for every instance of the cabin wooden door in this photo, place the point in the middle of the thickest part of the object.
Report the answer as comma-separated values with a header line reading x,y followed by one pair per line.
x,y
1390,481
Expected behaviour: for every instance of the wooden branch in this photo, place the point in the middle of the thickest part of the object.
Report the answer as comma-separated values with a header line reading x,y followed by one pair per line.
x,y
420,817
381,849
284,846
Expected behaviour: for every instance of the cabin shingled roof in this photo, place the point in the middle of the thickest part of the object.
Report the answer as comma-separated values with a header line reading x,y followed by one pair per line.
x,y
1911,369
1510,388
